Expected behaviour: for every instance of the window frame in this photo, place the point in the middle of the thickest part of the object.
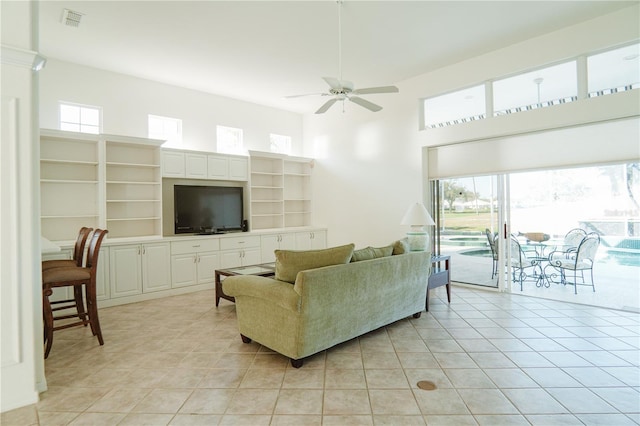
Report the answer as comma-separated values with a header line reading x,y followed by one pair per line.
x,y
80,124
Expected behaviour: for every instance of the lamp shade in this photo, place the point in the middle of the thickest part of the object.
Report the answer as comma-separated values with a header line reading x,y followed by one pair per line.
x,y
417,215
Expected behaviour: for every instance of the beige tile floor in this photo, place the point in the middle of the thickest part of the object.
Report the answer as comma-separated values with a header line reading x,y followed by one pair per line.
x,y
494,358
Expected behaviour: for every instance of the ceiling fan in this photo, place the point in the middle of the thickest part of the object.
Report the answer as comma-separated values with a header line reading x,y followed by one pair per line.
x,y
341,90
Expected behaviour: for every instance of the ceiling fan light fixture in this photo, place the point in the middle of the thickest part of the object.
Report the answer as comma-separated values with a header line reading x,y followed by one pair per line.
x,y
341,90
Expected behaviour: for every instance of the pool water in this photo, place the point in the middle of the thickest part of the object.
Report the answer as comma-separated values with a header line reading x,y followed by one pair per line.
x,y
623,258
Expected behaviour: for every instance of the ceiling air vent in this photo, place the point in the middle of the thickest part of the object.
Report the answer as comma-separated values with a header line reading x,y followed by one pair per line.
x,y
71,18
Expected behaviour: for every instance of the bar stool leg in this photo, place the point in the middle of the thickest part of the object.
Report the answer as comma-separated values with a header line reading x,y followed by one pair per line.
x,y
92,307
48,319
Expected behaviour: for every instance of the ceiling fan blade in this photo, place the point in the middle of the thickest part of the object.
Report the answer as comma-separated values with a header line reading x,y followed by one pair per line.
x,y
326,106
306,94
364,103
372,90
334,83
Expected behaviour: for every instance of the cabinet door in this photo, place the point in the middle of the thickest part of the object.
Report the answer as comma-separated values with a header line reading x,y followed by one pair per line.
x,y
183,270
230,259
269,243
238,169
250,257
217,167
318,239
196,166
303,241
125,270
287,242
311,240
207,264
156,267
172,164
102,275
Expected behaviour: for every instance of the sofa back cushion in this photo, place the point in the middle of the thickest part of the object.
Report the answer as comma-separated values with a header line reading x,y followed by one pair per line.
x,y
369,253
290,262
401,246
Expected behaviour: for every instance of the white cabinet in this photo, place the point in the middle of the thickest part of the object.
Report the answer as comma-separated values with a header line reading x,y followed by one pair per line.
x,y
217,167
240,251
173,164
195,166
311,240
225,167
194,261
139,268
204,165
238,168
270,243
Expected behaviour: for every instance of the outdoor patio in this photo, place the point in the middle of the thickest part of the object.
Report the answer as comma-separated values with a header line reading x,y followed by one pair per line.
x,y
617,286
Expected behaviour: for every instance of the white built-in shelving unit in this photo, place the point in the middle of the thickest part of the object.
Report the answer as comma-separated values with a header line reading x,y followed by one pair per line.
x,y
297,192
280,191
100,181
133,187
69,183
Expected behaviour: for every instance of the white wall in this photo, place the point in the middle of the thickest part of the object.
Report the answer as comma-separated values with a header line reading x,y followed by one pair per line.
x,y
20,288
362,195
126,102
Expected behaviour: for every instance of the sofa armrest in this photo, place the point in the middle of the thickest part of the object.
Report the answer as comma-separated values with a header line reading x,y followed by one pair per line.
x,y
277,292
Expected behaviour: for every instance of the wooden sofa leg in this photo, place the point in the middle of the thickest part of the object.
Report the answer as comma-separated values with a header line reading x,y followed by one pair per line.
x,y
417,314
296,363
245,339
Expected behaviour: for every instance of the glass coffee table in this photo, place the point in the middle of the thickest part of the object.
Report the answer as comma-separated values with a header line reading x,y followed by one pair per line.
x,y
262,270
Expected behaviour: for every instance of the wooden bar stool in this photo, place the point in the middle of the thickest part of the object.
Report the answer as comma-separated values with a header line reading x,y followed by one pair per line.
x,y
77,260
78,252
77,277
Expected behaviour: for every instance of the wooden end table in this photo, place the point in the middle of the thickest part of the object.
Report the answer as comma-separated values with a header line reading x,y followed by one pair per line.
x,y
439,276
262,270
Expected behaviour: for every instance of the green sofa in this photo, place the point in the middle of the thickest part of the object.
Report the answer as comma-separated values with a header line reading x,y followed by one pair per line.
x,y
328,305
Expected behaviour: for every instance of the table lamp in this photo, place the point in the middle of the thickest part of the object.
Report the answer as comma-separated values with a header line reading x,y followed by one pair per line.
x,y
417,217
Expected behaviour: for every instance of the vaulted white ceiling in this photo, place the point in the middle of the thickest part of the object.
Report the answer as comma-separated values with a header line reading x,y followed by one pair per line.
x,y
262,51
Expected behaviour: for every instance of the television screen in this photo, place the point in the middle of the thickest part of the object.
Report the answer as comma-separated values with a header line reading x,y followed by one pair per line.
x,y
207,209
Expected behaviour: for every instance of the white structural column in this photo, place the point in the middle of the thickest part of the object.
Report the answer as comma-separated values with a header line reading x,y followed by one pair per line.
x,y
21,299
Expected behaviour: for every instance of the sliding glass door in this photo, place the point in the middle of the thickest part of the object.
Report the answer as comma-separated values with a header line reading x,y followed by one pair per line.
x,y
544,205
604,200
466,211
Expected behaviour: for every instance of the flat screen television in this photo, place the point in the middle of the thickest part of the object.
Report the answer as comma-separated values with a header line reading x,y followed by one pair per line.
x,y
207,209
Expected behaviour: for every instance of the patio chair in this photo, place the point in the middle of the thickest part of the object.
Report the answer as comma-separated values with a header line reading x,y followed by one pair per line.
x,y
581,260
570,244
491,237
521,261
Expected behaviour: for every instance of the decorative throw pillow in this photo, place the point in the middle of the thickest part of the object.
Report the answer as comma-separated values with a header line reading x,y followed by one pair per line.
x,y
369,253
401,246
290,262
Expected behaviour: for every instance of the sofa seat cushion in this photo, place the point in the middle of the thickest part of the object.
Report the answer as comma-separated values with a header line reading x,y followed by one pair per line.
x,y
290,262
369,253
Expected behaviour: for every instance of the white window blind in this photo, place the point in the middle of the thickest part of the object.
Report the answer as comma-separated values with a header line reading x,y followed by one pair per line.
x,y
599,143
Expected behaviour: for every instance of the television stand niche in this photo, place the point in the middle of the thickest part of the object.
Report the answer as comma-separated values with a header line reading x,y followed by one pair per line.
x,y
440,275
